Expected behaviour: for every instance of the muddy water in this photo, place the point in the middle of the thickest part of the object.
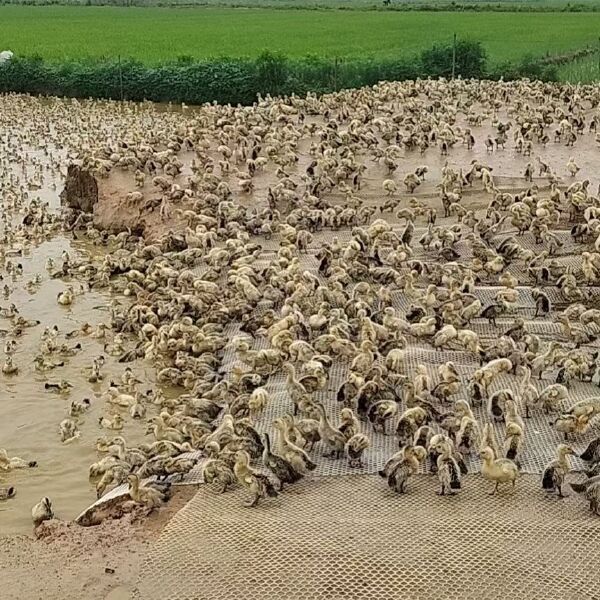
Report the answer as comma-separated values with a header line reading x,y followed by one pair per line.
x,y
30,416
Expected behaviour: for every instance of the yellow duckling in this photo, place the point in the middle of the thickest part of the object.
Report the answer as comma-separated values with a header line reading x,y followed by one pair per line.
x,y
66,297
499,470
258,484
149,496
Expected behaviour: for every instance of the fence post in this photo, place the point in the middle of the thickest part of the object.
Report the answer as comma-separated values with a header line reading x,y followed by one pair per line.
x,y
454,57
335,72
120,78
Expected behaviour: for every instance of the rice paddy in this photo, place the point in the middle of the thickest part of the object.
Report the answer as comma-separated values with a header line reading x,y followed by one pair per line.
x,y
154,35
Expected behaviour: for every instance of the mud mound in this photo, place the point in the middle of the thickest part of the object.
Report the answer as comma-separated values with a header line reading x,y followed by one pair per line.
x,y
81,190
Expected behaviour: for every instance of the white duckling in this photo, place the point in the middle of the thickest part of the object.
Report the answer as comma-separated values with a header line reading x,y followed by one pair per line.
x,y
114,396
116,423
9,464
9,368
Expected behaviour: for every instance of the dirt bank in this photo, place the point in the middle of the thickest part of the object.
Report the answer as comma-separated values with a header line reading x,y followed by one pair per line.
x,y
65,561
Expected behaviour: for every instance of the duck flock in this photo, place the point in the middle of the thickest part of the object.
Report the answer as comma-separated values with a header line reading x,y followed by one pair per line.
x,y
409,268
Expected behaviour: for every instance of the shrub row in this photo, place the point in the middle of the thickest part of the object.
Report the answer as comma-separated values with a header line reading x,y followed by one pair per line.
x,y
516,6
238,81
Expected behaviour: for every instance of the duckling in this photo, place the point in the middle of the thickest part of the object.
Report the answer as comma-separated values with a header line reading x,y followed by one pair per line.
x,y
402,466
65,350
128,379
592,452
69,431
448,471
332,438
279,466
10,312
496,401
76,409
112,477
379,413
114,396
96,376
9,464
165,466
355,447
102,444
542,302
308,429
292,453
511,414
148,495
7,492
117,348
499,470
66,297
10,347
99,333
9,368
508,280
137,410
488,439
42,511
591,491
550,397
409,423
513,442
220,471
116,423
588,407
62,387
572,166
350,425
423,436
568,424
257,483
556,470
468,435
42,364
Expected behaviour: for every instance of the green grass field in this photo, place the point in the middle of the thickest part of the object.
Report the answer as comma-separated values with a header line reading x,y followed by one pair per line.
x,y
160,34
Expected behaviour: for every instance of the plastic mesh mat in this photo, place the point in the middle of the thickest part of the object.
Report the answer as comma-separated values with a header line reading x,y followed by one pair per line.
x,y
541,438
351,537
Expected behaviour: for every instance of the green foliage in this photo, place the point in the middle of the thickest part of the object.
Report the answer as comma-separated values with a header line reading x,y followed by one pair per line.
x,y
272,72
240,80
470,59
